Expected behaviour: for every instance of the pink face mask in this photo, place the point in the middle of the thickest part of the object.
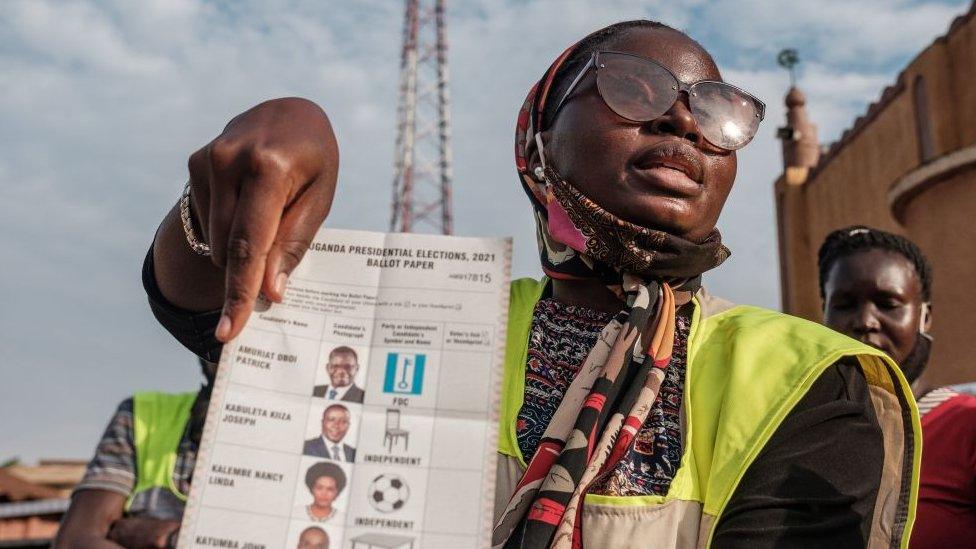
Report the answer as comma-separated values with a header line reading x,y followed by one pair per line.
x,y
561,228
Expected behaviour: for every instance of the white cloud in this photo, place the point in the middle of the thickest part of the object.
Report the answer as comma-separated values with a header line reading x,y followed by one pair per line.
x,y
75,35
864,34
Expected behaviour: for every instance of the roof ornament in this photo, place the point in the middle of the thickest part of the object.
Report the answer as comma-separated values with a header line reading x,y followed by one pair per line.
x,y
789,58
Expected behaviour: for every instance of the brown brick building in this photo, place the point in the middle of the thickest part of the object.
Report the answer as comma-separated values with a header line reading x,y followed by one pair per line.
x,y
908,166
33,499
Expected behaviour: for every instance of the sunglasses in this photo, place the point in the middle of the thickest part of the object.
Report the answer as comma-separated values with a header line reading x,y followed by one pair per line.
x,y
641,90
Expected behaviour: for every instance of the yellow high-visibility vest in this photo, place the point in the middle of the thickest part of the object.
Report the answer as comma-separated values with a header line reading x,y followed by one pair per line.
x,y
746,369
158,423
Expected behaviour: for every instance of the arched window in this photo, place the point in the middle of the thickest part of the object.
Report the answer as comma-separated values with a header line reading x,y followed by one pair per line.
x,y
923,124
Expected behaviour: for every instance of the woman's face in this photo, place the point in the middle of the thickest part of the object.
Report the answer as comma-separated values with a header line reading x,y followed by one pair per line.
x,y
324,491
615,161
875,296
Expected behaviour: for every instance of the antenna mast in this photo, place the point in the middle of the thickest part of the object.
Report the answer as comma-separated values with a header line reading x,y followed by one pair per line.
x,y
422,161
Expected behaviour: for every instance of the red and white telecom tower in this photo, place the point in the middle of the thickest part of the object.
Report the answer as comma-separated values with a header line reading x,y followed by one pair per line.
x,y
422,161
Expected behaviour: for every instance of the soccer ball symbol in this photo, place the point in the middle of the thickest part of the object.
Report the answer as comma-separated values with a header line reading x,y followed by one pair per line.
x,y
388,492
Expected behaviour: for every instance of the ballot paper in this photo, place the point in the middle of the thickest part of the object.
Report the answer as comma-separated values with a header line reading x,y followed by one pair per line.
x,y
364,407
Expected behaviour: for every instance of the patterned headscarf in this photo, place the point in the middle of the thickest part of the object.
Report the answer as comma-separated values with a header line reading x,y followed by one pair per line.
x,y
606,404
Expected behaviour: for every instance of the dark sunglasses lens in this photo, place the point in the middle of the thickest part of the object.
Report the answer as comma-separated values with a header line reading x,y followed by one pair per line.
x,y
635,88
727,117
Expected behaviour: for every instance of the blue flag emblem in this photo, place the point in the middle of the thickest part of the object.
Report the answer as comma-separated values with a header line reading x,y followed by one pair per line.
x,y
404,373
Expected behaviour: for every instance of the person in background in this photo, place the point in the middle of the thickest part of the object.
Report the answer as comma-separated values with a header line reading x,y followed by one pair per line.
x,y
877,288
341,367
335,425
133,492
313,537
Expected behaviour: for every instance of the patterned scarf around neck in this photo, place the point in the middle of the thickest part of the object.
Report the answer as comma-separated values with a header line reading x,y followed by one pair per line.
x,y
612,395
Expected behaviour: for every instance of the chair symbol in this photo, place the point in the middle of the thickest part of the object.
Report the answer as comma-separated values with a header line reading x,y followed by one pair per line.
x,y
394,432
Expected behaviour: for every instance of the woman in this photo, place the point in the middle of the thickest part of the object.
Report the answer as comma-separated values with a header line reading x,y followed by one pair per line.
x,y
877,288
742,428
325,481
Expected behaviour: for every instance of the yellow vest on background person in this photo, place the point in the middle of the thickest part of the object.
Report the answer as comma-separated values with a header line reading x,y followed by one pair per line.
x,y
158,423
732,406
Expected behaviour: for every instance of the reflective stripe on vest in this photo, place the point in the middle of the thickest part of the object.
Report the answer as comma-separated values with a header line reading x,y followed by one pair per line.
x,y
158,423
747,368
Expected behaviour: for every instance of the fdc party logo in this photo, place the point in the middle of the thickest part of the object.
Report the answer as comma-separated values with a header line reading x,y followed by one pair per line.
x,y
404,373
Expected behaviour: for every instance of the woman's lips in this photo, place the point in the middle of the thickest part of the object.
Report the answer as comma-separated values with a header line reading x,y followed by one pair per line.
x,y
668,179
671,166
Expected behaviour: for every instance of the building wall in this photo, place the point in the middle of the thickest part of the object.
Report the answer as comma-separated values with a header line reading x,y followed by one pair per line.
x,y
854,180
28,528
942,220
849,187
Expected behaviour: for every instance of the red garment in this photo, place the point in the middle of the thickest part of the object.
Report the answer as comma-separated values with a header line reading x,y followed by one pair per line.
x,y
946,515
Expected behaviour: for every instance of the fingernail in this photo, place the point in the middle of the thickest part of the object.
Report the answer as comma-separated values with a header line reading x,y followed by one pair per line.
x,y
280,281
223,328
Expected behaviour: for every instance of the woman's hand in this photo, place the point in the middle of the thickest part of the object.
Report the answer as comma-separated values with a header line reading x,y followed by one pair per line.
x,y
259,192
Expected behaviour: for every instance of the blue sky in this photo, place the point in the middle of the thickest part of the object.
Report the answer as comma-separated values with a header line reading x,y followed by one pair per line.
x,y
101,102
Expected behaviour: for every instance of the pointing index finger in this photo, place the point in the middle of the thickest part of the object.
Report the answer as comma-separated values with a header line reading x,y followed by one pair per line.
x,y
252,233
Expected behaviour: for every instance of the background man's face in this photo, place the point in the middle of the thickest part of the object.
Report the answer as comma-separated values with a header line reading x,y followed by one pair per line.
x,y
342,369
313,538
335,424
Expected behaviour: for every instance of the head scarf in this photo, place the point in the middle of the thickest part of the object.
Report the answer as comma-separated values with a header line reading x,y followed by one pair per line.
x,y
608,401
